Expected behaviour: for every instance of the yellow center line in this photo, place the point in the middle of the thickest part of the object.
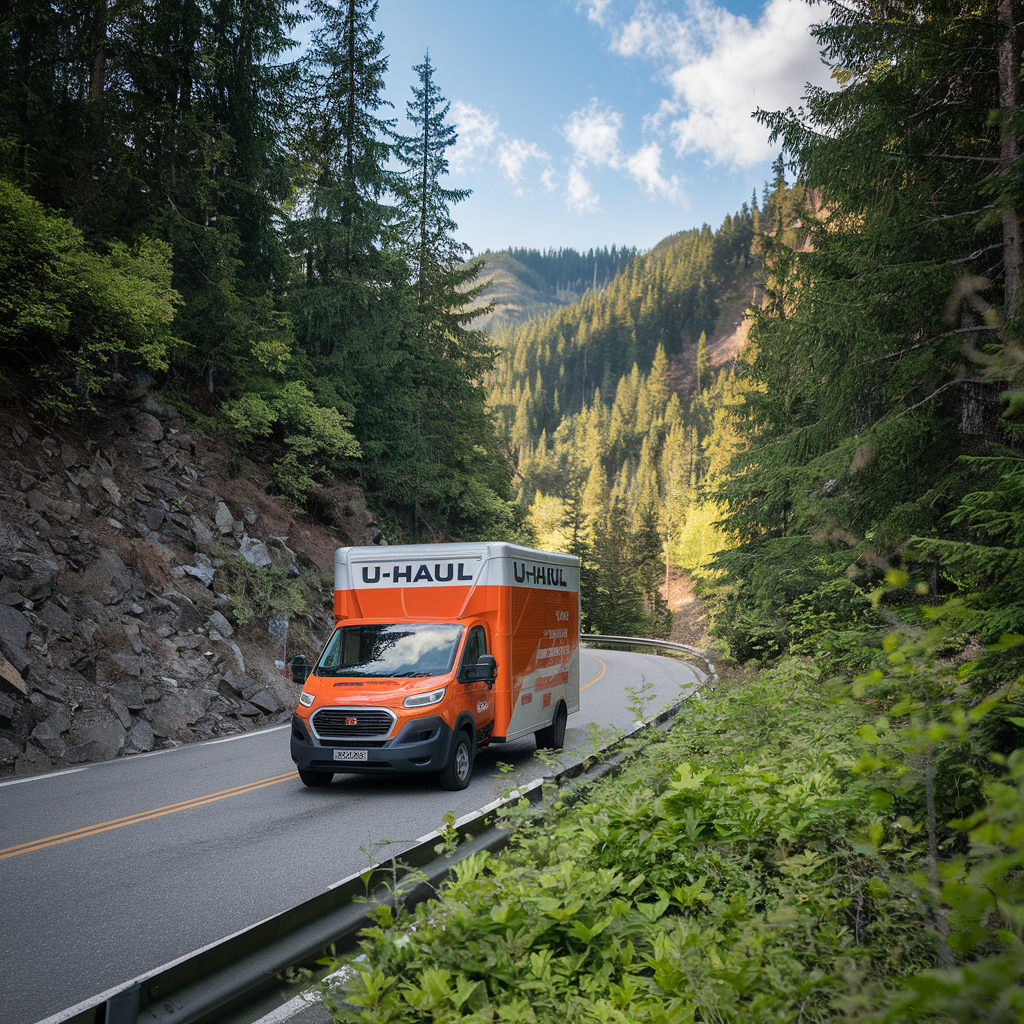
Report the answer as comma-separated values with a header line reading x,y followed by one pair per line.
x,y
604,668
158,812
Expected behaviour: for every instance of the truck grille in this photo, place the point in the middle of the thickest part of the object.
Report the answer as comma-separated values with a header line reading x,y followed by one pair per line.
x,y
336,723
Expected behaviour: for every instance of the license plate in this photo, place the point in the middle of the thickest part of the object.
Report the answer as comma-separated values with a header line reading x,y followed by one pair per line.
x,y
350,755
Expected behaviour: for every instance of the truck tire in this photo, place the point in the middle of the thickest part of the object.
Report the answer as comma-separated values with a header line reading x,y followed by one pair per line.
x,y
310,778
552,736
459,770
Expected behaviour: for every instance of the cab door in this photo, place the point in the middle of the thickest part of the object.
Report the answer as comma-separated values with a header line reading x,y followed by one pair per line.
x,y
478,697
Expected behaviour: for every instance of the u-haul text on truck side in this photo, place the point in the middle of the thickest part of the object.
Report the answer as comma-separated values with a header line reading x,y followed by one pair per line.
x,y
438,650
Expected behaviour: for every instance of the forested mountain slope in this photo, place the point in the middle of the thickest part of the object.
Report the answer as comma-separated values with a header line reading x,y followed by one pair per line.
x,y
608,401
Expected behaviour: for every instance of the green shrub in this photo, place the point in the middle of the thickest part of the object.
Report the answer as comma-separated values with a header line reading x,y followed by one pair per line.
x,y
69,316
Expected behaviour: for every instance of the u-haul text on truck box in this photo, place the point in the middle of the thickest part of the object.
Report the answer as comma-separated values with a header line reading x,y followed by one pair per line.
x,y
438,650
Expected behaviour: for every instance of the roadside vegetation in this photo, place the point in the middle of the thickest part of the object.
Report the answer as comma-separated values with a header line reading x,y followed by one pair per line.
x,y
787,852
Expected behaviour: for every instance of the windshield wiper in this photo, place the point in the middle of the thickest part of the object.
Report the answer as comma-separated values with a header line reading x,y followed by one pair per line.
x,y
406,675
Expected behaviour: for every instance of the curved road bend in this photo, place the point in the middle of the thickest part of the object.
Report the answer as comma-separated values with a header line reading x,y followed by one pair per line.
x,y
110,870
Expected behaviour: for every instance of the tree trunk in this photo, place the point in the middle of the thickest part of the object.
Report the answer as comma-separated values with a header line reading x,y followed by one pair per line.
x,y
1009,75
99,53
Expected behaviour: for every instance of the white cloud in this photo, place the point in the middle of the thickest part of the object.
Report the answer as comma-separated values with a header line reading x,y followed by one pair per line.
x,y
644,167
720,67
595,9
580,195
480,142
547,179
593,134
513,154
477,132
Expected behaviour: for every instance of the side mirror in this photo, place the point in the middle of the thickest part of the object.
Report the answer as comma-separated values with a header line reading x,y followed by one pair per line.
x,y
484,671
300,670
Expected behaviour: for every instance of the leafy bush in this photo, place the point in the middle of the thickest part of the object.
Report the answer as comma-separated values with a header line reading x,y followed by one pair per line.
x,y
69,315
730,874
316,439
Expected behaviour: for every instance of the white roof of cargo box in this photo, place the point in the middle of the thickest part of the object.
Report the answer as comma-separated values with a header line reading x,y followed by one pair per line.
x,y
456,565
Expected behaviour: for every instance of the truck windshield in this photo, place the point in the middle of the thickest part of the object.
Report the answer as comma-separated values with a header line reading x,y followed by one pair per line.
x,y
399,649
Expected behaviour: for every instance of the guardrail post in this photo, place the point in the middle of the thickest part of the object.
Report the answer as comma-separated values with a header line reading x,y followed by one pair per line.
x,y
123,1007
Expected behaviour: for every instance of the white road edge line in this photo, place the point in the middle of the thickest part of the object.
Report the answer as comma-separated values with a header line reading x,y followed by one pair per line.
x,y
48,775
138,757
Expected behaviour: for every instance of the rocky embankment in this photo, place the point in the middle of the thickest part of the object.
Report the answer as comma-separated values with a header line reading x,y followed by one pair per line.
x,y
115,636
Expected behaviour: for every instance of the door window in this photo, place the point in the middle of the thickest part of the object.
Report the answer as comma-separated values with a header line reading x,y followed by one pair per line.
x,y
476,645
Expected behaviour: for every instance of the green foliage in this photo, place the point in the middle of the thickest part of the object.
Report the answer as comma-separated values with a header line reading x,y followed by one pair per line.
x,y
70,316
264,592
717,879
316,438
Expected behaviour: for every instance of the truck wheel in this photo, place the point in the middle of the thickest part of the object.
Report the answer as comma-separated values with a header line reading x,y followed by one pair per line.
x,y
310,778
552,736
459,770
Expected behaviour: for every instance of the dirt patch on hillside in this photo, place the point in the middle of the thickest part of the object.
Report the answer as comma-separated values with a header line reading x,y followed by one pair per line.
x,y
689,619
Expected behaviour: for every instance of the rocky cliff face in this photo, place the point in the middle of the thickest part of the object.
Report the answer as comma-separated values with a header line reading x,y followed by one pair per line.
x,y
115,636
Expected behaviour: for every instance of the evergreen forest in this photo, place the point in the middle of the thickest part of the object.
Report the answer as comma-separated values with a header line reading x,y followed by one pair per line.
x,y
258,235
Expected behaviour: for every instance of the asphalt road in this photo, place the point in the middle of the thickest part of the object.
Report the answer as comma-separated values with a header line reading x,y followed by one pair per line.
x,y
111,870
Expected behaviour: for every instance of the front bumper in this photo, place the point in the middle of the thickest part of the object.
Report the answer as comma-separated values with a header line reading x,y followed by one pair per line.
x,y
423,745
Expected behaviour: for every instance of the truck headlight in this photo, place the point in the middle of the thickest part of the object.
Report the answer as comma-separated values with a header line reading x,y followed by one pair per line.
x,y
422,700
306,699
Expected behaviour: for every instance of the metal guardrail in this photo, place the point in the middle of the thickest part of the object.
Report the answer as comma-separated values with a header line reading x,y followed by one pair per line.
x,y
200,987
668,645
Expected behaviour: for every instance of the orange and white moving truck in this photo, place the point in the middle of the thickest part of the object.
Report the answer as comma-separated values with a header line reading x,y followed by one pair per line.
x,y
438,650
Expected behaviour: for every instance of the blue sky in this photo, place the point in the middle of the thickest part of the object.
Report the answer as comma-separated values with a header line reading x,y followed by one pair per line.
x,y
591,122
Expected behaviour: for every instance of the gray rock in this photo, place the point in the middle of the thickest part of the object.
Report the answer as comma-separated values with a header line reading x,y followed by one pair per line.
x,y
266,700
188,617
37,501
281,555
254,551
165,631
34,574
151,694
9,752
247,710
130,664
32,762
203,535
153,517
7,707
241,684
123,715
10,539
173,715
218,622
57,619
140,737
224,519
49,734
129,694
154,541
87,629
203,573
152,406
14,629
111,488
47,682
95,735
236,655
20,434
108,578
147,424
